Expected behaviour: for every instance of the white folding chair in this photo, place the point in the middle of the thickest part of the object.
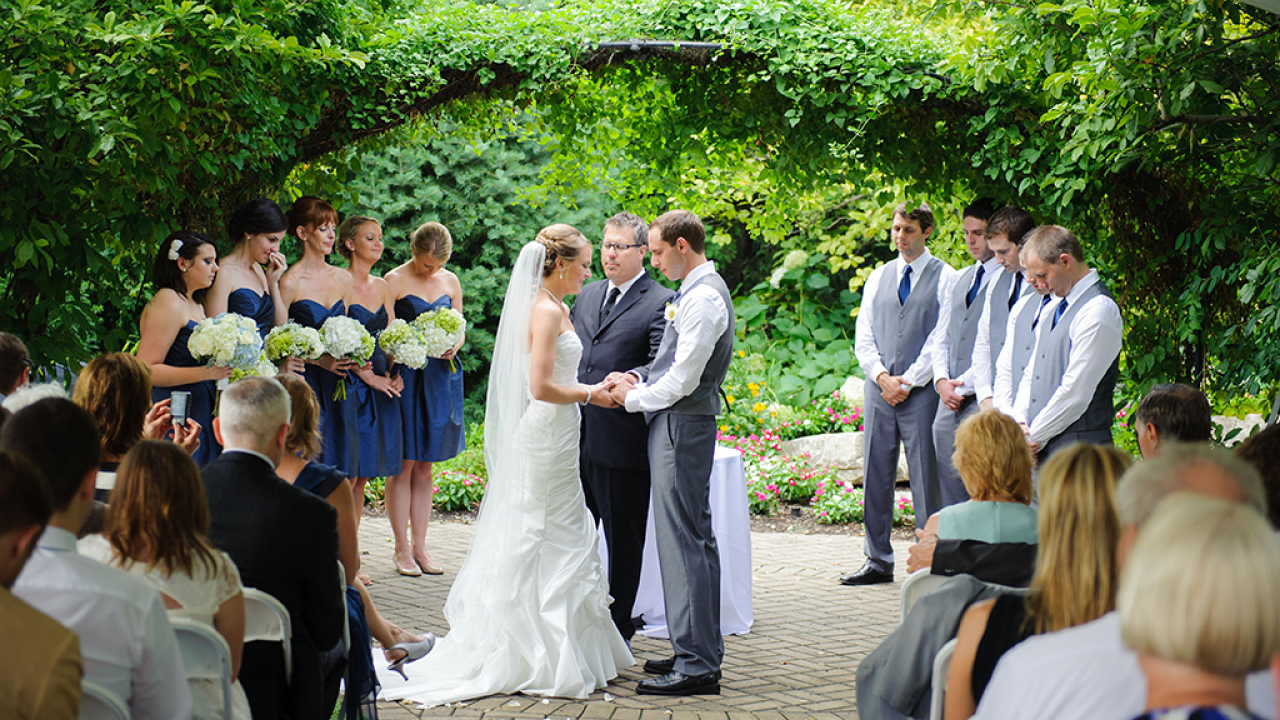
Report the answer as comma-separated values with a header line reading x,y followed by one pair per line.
x,y
941,666
99,703
265,618
917,585
346,622
205,655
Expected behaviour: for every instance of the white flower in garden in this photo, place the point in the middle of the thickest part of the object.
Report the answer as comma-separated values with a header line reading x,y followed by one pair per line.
x,y
775,280
853,392
795,259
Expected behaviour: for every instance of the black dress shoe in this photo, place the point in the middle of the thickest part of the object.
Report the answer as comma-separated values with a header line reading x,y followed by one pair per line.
x,y
660,667
867,576
674,683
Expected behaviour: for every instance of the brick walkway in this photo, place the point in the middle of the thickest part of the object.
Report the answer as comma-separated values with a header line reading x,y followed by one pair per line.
x,y
798,661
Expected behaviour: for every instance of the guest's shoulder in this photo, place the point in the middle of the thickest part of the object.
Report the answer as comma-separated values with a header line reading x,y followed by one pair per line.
x,y
40,641
1094,642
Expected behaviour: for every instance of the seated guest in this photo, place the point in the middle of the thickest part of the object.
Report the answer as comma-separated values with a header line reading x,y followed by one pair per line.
x,y
1197,604
994,463
1075,580
40,667
32,394
297,467
1174,412
285,543
125,638
116,390
157,525
1086,672
15,364
1262,451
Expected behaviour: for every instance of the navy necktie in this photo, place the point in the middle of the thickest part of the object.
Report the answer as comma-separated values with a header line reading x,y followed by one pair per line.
x,y
1017,289
1043,301
977,285
608,304
1057,314
904,287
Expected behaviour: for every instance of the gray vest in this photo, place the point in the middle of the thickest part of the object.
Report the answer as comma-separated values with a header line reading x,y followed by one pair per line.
x,y
963,331
1024,340
901,329
705,399
1052,352
999,316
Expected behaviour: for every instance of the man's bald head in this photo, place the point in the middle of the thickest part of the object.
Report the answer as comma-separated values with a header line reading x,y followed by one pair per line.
x,y
1187,467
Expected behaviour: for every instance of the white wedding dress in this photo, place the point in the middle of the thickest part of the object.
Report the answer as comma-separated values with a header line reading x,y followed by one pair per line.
x,y
529,611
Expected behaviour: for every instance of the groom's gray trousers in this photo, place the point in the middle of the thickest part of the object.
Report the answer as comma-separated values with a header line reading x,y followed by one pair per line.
x,y
681,451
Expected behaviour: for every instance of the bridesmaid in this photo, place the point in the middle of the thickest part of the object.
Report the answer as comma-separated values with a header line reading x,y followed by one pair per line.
x,y
314,291
256,229
185,267
378,391
431,403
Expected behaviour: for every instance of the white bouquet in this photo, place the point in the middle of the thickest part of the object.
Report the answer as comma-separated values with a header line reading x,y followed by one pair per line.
x,y
346,338
228,339
293,340
442,330
404,342
263,368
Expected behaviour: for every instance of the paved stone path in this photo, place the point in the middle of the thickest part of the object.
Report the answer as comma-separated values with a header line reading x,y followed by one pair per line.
x,y
798,661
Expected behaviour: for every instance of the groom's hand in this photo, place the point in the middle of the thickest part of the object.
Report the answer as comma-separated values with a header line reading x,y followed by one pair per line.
x,y
619,392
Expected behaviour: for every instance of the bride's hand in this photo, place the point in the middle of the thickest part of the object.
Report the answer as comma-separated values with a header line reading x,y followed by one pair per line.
x,y
601,396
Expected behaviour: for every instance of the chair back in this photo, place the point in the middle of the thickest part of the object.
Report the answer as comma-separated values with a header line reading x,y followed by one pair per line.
x,y
346,622
265,618
941,666
205,655
99,703
917,585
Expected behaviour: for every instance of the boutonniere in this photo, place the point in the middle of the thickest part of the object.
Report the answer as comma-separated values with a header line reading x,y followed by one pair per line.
x,y
671,312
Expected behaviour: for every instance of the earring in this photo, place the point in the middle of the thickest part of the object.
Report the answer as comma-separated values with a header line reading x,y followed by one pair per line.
x,y
184,269
561,274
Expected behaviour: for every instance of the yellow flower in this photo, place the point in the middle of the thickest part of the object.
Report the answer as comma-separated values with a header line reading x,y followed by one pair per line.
x,y
742,353
753,387
774,413
724,428
730,398
759,407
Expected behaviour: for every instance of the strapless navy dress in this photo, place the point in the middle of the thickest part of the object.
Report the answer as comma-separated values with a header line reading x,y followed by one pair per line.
x,y
339,424
258,308
381,431
431,403
204,395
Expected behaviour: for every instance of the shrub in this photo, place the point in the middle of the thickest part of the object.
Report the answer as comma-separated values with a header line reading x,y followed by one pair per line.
x,y
457,490
838,502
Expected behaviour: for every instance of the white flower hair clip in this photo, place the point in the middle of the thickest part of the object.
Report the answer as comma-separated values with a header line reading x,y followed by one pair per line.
x,y
174,247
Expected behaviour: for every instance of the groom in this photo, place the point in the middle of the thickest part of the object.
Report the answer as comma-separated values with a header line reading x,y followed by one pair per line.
x,y
679,393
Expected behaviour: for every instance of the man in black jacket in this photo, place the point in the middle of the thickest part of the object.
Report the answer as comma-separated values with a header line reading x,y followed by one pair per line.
x,y
620,322
285,543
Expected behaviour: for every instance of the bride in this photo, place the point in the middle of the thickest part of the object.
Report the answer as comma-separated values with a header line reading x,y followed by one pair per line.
x,y
529,611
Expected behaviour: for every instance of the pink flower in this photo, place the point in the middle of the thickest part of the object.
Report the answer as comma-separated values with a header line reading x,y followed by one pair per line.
x,y
466,483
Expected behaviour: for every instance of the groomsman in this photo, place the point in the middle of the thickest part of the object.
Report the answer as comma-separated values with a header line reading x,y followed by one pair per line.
x,y
1006,231
1065,395
680,395
1020,336
897,329
953,356
620,322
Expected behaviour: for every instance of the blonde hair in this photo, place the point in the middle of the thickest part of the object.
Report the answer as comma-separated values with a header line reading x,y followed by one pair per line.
x,y
347,231
303,439
993,458
432,239
1200,587
563,242
1079,530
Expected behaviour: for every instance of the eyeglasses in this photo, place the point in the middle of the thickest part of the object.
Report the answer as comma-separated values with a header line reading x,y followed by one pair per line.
x,y
619,247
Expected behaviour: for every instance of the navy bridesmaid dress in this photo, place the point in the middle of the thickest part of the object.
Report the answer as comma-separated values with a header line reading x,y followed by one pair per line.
x,y
381,432
431,403
339,424
204,395
258,308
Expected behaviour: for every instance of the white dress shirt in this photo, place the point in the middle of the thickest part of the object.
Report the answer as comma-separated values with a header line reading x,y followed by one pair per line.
x,y
125,637
701,317
1083,673
622,289
1003,390
920,373
983,370
1096,334
942,352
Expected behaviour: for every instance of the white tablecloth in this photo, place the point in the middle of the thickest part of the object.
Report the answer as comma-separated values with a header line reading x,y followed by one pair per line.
x,y
732,526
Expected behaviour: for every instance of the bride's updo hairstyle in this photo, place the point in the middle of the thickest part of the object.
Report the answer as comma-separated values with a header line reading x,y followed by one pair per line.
x,y
310,212
259,216
179,244
563,242
433,240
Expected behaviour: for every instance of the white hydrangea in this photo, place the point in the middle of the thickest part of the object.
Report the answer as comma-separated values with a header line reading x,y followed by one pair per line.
x,y
404,342
441,330
228,339
854,391
346,337
293,340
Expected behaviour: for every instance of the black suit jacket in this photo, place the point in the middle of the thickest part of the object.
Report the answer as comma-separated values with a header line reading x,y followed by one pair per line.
x,y
284,541
615,438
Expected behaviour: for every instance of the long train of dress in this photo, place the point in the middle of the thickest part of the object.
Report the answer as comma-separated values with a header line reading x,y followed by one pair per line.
x,y
528,612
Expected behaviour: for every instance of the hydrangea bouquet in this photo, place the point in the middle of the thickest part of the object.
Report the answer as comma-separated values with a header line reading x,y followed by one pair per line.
x,y
228,339
442,330
263,368
404,342
293,340
346,338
